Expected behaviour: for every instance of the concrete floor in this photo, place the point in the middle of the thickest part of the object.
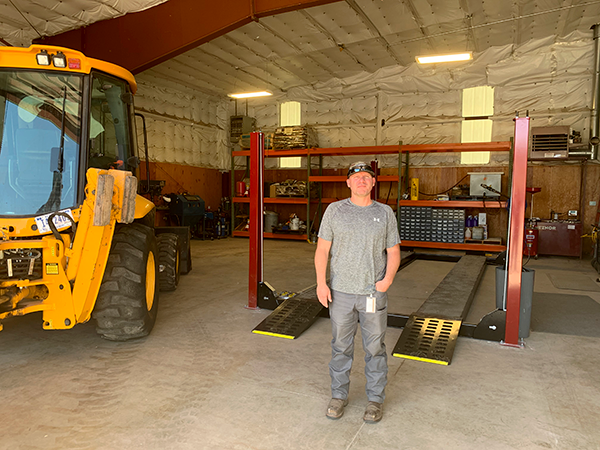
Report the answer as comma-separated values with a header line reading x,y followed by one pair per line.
x,y
202,380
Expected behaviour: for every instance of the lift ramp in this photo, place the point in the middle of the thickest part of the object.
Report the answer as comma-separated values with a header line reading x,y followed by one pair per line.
x,y
431,332
293,316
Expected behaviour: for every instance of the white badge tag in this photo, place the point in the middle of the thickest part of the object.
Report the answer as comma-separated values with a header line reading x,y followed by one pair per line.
x,y
371,304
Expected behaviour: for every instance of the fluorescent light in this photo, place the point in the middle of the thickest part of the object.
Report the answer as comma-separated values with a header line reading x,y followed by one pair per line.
x,y
250,94
445,58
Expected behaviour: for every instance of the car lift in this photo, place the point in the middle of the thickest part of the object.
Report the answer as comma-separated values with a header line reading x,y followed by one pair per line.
x,y
430,333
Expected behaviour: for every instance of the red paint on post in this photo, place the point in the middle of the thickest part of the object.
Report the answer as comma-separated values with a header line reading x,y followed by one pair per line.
x,y
257,153
517,225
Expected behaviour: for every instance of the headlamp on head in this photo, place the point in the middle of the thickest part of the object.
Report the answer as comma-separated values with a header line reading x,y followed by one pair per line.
x,y
360,167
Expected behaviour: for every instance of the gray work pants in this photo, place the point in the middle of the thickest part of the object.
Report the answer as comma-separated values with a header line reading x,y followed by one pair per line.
x,y
346,311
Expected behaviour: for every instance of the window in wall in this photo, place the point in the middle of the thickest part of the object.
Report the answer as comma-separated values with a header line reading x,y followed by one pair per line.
x,y
477,106
290,116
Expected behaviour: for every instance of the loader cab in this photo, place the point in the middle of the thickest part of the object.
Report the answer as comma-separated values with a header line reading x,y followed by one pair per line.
x,y
54,125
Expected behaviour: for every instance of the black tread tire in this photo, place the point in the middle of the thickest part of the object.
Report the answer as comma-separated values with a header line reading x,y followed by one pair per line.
x,y
121,310
187,267
169,257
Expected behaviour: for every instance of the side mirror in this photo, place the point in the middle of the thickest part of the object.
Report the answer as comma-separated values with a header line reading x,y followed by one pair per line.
x,y
127,98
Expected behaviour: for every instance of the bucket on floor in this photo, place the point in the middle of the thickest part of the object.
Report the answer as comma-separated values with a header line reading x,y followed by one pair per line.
x,y
527,278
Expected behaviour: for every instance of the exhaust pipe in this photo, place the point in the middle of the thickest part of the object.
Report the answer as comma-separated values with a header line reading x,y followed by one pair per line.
x,y
594,118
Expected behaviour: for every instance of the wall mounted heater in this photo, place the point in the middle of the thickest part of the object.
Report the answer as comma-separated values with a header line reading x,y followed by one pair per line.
x,y
550,142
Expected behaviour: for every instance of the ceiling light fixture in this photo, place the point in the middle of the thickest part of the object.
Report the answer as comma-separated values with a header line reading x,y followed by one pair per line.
x,y
250,94
445,58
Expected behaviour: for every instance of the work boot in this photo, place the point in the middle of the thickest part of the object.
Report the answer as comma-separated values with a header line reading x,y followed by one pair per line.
x,y
335,410
373,413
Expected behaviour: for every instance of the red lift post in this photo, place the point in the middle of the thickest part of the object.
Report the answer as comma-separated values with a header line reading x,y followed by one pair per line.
x,y
517,221
257,156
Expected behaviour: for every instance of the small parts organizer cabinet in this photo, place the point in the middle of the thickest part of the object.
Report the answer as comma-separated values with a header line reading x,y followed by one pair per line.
x,y
425,223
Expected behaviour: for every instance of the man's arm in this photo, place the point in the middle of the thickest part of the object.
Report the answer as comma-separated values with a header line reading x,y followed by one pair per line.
x,y
321,259
393,262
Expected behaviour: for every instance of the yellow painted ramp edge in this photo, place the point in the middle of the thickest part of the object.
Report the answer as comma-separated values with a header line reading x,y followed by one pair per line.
x,y
416,358
266,333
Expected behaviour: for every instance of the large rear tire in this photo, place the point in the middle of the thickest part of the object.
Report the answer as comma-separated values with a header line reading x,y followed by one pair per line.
x,y
128,299
169,253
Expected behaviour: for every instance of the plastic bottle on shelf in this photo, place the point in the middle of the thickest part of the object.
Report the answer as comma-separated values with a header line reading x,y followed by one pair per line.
x,y
467,233
469,222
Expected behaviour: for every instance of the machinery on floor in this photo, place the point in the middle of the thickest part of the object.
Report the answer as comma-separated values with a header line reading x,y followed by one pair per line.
x,y
77,241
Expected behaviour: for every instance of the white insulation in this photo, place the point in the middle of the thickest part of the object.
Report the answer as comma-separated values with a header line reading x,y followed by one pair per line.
x,y
549,78
183,127
22,21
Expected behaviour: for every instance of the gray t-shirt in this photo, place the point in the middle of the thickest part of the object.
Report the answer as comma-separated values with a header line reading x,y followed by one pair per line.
x,y
360,236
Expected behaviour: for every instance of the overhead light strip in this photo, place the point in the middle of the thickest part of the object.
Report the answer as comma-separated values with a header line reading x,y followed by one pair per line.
x,y
250,94
445,58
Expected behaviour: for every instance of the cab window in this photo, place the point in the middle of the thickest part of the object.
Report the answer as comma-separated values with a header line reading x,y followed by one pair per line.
x,y
110,142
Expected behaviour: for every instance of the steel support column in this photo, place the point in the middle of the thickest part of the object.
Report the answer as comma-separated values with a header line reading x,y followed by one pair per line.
x,y
517,224
257,156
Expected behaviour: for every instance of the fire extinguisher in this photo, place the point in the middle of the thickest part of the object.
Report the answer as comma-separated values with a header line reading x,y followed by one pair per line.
x,y
530,245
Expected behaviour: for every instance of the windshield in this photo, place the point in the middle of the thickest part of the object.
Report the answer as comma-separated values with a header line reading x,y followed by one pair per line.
x,y
40,120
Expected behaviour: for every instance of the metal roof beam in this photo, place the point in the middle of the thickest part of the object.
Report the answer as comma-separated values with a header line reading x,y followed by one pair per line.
x,y
373,29
141,40
271,61
329,36
296,48
469,24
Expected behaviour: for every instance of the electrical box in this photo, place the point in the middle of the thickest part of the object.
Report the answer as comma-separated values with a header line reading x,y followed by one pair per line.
x,y
239,125
491,179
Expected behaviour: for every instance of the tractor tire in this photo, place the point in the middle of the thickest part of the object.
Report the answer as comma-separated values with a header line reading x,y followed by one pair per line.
x,y
128,299
169,253
187,267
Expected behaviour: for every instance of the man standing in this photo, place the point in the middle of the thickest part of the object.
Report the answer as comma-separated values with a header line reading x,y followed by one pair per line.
x,y
362,237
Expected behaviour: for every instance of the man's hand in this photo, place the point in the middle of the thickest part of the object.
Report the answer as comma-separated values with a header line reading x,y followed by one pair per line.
x,y
383,285
321,259
324,295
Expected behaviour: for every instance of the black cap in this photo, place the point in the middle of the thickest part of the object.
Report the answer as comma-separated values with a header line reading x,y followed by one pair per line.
x,y
360,166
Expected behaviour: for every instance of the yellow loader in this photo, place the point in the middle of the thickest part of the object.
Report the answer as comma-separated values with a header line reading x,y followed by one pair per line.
x,y
76,239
